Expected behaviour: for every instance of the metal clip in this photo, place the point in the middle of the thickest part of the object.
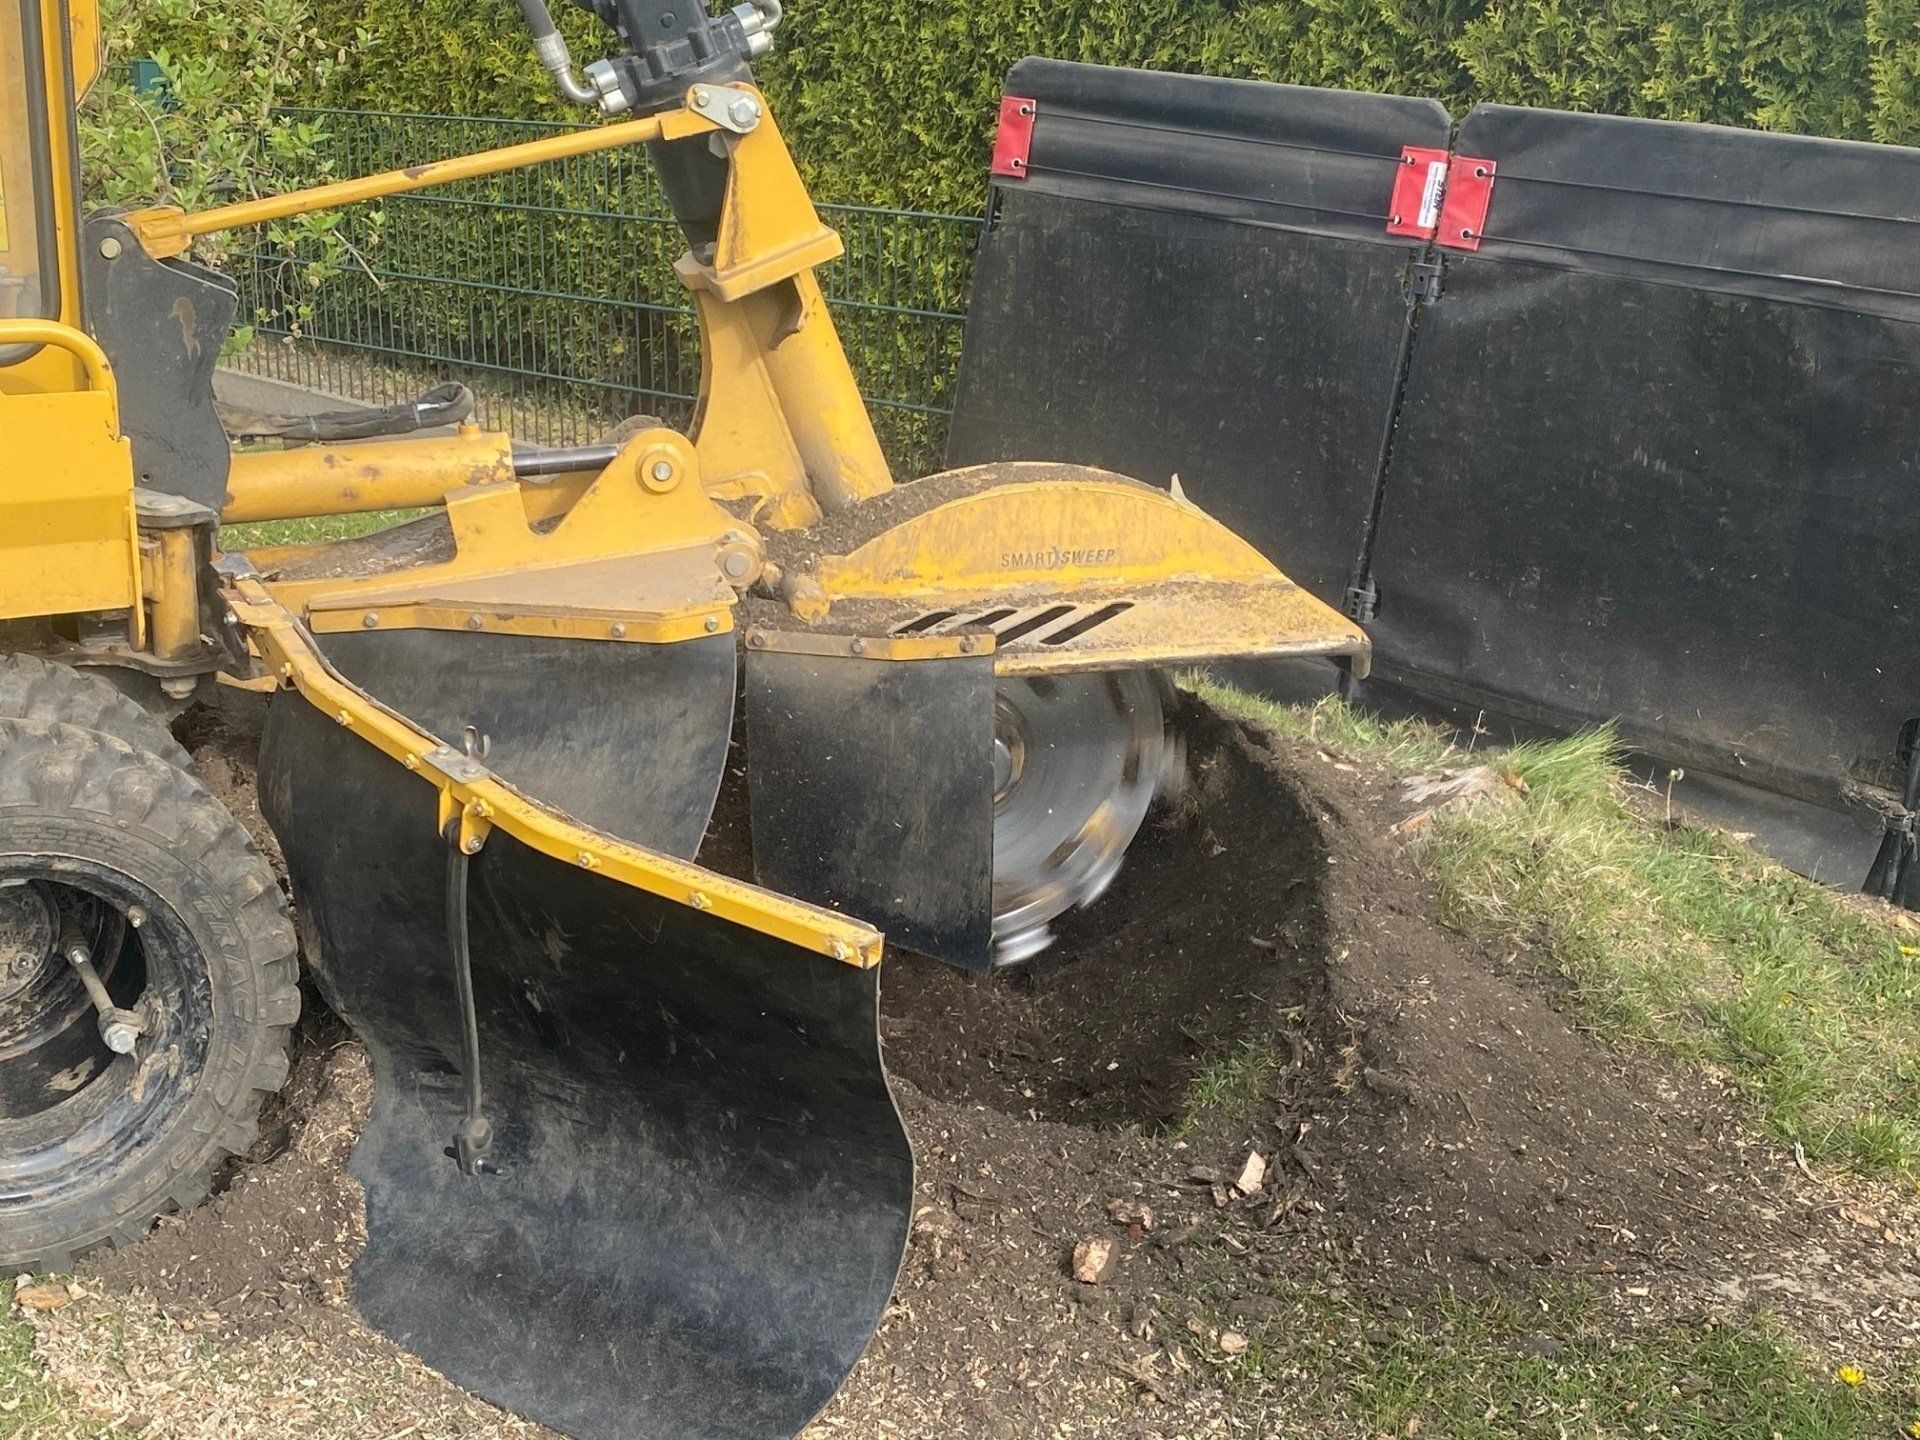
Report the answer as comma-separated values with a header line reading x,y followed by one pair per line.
x,y
1424,279
728,106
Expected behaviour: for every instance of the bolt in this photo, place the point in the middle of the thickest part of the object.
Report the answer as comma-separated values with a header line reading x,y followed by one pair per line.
x,y
136,916
744,112
370,620
841,950
120,1037
619,632
713,624
699,901
663,470
471,844
475,623
345,717
968,645
758,640
25,966
737,566
110,248
702,97
859,647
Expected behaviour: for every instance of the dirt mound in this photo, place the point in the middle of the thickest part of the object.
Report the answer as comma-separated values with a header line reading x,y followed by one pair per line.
x,y
1214,933
283,1232
1428,1121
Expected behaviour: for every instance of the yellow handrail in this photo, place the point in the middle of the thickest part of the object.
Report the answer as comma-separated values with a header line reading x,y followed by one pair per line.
x,y
82,346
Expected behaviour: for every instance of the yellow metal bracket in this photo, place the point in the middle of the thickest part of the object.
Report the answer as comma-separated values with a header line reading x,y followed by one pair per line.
x,y
870,647
479,802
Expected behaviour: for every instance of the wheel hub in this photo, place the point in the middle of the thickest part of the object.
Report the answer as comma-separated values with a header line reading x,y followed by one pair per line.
x,y
1078,760
29,924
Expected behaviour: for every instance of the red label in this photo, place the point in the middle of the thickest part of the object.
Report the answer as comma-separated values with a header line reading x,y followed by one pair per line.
x,y
1013,151
1463,216
1419,187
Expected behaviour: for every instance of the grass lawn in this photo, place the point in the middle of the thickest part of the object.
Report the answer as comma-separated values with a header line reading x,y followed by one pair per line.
x,y
310,532
29,1407
1672,934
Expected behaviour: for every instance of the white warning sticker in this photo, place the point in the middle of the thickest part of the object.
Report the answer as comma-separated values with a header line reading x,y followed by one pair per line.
x,y
1431,194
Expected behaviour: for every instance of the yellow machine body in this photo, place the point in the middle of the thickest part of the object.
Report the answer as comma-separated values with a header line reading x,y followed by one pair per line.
x,y
541,680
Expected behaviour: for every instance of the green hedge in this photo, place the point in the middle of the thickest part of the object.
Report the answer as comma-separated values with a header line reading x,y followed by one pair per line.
x,y
892,101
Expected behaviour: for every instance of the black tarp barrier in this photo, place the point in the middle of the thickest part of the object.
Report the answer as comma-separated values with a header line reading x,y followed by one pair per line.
x,y
1195,281
1659,451
1656,437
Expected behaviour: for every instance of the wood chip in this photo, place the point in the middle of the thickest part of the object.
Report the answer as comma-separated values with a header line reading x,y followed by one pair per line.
x,y
1094,1260
49,1295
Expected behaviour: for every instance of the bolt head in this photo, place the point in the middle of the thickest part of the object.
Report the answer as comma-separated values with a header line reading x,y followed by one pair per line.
x,y
471,845
744,112
713,625
474,622
757,640
370,620
859,647
120,1038
968,645
702,96
663,470
136,916
737,566
110,248
620,632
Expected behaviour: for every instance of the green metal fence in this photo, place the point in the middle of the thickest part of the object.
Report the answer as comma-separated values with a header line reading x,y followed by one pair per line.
x,y
551,291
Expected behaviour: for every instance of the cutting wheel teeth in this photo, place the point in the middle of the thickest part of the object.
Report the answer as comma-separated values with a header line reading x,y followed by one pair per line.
x,y
1083,759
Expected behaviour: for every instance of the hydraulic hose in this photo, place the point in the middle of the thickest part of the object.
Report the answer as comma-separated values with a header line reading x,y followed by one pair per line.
x,y
551,46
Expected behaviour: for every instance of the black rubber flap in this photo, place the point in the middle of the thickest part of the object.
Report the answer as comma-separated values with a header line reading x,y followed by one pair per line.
x,y
1783,217
1648,468
872,793
629,739
699,1191
1197,281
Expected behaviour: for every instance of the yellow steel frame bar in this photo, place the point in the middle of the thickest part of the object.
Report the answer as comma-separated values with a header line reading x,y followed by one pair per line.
x,y
482,803
167,230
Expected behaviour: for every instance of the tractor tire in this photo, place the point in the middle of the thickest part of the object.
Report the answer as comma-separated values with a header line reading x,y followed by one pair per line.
x,y
107,844
45,692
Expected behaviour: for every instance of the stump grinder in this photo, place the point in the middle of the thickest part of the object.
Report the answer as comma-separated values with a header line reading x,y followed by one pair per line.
x,y
632,1167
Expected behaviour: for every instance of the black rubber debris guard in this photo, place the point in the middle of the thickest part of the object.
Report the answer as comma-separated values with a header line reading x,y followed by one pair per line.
x,y
695,1192
872,793
628,739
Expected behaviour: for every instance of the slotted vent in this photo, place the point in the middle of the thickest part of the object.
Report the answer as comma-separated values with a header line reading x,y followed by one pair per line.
x,y
1043,625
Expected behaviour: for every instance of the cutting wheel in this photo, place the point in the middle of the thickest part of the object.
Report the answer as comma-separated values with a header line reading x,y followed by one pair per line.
x,y
1078,760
